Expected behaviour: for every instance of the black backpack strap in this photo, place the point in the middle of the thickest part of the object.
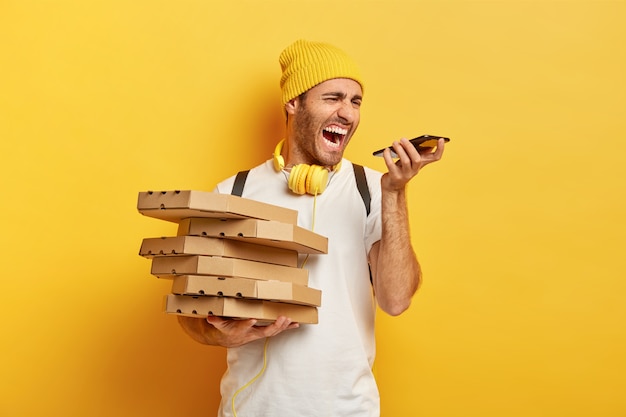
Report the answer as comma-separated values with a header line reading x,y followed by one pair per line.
x,y
361,184
240,181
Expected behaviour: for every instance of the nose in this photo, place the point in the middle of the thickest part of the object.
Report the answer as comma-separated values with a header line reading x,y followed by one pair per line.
x,y
348,112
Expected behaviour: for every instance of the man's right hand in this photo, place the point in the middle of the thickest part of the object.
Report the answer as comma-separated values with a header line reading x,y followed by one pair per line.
x,y
231,333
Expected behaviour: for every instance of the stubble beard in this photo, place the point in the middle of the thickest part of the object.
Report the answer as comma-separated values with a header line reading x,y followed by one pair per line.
x,y
306,137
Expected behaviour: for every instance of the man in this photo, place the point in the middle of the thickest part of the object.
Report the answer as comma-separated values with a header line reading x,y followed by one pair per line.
x,y
323,369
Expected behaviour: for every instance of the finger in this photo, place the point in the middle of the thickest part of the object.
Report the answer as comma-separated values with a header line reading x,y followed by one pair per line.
x,y
409,157
439,151
391,165
215,321
403,158
290,324
411,150
281,324
401,148
293,325
222,323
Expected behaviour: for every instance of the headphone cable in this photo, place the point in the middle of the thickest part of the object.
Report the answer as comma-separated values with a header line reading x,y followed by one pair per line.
x,y
267,340
312,224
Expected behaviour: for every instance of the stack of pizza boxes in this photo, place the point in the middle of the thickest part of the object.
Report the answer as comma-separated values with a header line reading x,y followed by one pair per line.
x,y
232,257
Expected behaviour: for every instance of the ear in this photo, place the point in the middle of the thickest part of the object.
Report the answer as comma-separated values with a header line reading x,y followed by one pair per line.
x,y
292,105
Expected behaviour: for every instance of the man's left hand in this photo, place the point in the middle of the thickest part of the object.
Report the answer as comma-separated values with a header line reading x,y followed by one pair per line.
x,y
410,161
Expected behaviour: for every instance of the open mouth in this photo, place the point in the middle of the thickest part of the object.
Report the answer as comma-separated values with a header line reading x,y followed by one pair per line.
x,y
334,136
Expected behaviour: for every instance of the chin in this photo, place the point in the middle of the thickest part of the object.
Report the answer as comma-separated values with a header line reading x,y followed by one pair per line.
x,y
330,156
334,160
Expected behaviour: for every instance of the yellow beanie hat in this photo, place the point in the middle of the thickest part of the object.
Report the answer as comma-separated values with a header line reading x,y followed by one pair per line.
x,y
306,64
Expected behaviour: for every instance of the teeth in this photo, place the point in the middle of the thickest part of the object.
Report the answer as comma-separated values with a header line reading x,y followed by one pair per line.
x,y
336,130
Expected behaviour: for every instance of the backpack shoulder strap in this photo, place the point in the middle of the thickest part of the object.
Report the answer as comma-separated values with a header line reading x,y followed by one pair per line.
x,y
240,181
361,184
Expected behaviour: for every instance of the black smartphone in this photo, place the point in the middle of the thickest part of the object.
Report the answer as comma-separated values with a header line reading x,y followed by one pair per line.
x,y
424,141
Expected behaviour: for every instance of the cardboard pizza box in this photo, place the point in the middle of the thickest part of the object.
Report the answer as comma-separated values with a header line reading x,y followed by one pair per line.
x,y
176,205
217,286
262,232
168,266
265,311
198,245
286,292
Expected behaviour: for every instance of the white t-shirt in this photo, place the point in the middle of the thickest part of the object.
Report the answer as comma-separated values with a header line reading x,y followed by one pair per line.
x,y
319,369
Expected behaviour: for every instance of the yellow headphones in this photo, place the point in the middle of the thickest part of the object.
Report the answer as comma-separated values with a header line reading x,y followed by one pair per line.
x,y
303,178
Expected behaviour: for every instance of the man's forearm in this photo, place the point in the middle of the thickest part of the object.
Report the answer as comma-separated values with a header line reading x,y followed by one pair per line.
x,y
199,330
398,272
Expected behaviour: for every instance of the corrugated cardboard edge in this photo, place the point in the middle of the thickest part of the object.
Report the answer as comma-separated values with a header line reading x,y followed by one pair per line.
x,y
269,311
179,204
210,246
262,232
167,266
285,292
288,292
216,286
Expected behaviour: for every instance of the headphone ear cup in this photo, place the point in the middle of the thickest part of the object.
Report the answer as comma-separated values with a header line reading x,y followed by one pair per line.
x,y
297,178
316,180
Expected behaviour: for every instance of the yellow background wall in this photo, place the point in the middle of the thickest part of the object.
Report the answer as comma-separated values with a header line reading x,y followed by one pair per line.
x,y
520,229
